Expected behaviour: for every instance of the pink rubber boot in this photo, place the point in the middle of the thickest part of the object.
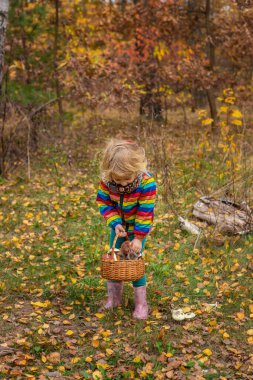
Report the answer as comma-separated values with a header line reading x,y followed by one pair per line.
x,y
140,301
114,291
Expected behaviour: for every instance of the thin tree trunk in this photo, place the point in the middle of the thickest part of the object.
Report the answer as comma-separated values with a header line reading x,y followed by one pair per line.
x,y
4,8
151,101
24,45
211,57
57,82
122,5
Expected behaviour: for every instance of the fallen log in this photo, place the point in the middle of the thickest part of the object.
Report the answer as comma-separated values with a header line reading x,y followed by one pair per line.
x,y
229,218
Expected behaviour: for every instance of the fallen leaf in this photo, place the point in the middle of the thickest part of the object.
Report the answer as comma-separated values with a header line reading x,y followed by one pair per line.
x,y
54,357
207,352
97,375
240,315
99,315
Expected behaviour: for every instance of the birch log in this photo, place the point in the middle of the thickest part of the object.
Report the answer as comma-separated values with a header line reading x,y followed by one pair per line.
x,y
188,226
230,218
4,8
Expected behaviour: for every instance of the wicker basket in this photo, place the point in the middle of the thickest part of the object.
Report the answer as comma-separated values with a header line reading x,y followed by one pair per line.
x,y
121,270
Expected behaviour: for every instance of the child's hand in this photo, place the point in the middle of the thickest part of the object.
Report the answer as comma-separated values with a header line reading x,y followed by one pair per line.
x,y
119,230
136,245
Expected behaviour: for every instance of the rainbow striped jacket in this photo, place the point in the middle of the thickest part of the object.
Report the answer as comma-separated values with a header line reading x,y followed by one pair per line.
x,y
137,206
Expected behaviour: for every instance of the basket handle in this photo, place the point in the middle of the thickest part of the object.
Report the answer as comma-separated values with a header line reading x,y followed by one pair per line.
x,y
114,244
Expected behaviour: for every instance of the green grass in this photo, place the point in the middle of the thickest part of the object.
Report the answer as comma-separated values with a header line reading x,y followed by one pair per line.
x,y
52,238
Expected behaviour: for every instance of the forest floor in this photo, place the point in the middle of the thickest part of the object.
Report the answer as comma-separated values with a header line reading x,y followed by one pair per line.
x,y
52,238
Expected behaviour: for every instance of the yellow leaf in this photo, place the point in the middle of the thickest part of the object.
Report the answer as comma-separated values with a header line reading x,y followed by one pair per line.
x,y
226,335
186,309
207,293
99,315
230,100
207,352
61,368
202,113
228,91
97,375
109,351
19,65
69,332
176,246
240,315
75,360
21,362
102,365
106,333
41,304
43,358
137,359
95,343
203,359
147,329
250,340
223,109
88,359
250,332
61,65
207,121
236,113
236,122
238,365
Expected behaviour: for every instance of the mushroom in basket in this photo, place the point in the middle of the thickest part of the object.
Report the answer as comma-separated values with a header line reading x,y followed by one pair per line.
x,y
126,252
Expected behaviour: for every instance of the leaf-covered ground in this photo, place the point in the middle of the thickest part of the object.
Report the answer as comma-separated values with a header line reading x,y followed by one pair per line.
x,y
52,238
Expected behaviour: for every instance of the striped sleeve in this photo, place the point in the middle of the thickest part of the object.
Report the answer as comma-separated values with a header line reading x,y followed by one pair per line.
x,y
106,208
145,209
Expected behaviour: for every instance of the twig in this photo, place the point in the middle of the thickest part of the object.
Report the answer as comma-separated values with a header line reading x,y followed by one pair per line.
x,y
196,241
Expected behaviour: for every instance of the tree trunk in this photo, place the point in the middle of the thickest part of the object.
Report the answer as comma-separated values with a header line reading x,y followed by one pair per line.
x,y
123,5
211,57
57,82
150,103
4,8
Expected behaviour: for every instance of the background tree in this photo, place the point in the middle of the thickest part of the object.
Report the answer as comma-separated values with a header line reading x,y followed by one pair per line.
x,y
4,8
152,56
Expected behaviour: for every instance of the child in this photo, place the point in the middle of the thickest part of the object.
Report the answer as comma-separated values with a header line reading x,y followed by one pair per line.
x,y
126,199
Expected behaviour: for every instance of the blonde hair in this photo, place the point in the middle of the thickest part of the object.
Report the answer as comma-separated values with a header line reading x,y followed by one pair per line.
x,y
122,159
